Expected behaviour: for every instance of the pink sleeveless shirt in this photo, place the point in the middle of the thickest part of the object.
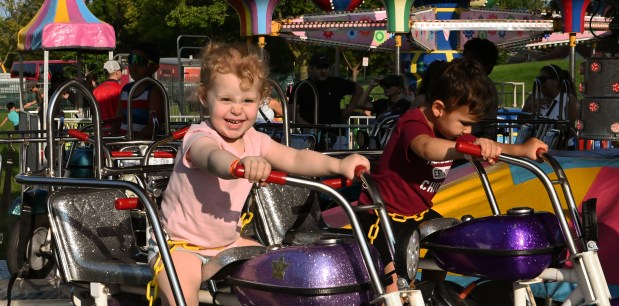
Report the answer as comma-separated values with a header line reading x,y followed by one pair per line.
x,y
199,207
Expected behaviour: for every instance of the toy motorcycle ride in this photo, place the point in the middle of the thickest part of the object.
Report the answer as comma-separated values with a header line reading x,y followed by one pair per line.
x,y
521,246
92,242
115,263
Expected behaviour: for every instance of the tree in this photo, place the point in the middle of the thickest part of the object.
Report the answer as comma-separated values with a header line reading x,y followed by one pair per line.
x,y
14,15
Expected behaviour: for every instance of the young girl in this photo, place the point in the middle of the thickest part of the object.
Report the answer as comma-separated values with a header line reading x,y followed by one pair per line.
x,y
202,204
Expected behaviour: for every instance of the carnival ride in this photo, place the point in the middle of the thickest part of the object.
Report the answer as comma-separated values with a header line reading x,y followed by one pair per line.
x,y
102,266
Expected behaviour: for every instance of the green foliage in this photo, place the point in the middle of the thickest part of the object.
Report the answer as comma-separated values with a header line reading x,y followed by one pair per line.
x,y
14,15
531,5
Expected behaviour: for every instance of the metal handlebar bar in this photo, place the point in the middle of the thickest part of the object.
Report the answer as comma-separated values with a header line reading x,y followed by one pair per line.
x,y
286,123
475,150
295,95
166,106
96,115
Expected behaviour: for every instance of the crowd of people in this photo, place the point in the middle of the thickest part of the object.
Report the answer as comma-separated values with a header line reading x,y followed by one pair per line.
x,y
147,109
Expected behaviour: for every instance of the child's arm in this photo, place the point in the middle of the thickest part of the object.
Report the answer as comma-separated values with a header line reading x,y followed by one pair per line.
x,y
364,104
528,149
434,149
437,149
29,103
206,154
312,163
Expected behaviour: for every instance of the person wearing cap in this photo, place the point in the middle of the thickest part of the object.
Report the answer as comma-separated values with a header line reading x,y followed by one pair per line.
x,y
107,93
394,101
331,90
147,103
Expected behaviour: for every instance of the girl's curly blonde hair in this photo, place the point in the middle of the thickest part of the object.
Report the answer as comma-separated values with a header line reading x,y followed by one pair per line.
x,y
239,59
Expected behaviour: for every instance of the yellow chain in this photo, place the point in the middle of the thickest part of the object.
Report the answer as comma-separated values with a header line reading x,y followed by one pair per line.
x,y
403,218
374,228
373,232
246,218
152,288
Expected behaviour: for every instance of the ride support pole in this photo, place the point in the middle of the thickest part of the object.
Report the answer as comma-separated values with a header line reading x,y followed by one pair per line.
x,y
572,55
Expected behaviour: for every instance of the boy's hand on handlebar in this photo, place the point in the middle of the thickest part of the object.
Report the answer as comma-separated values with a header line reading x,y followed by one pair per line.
x,y
257,169
348,165
531,148
490,150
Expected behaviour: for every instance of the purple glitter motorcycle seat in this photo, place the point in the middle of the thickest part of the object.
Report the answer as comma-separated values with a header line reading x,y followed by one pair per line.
x,y
516,246
332,273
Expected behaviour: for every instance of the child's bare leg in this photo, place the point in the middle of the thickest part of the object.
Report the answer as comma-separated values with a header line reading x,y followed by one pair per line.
x,y
189,270
393,287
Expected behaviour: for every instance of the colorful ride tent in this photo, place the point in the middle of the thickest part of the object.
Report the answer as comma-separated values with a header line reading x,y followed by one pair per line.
x,y
64,25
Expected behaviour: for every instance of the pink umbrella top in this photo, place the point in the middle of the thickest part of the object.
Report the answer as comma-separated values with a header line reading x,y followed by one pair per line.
x,y
66,24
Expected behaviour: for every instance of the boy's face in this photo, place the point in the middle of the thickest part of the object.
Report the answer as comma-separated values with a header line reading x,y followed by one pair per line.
x,y
232,110
454,123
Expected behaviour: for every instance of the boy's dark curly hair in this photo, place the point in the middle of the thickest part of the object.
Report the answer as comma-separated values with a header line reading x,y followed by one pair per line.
x,y
461,82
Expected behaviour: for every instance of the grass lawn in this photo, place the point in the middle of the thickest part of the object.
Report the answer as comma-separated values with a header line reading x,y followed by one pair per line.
x,y
526,72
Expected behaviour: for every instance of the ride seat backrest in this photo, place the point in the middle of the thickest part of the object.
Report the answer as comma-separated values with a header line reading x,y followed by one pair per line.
x,y
95,242
278,209
388,127
525,132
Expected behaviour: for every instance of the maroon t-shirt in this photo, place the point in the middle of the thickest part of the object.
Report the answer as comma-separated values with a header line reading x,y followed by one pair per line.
x,y
407,182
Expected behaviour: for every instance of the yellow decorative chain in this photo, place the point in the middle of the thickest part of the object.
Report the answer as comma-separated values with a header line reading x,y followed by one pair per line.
x,y
246,218
374,228
152,288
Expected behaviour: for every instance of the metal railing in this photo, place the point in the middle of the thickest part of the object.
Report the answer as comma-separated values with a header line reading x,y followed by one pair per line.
x,y
511,94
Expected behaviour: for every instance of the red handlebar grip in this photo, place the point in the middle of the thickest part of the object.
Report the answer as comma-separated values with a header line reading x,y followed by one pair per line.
x,y
337,183
275,177
360,170
157,154
127,203
468,148
161,154
77,134
122,154
180,133
540,152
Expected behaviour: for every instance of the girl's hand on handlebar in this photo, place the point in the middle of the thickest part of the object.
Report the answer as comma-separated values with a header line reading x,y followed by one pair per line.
x,y
532,147
490,150
257,169
348,165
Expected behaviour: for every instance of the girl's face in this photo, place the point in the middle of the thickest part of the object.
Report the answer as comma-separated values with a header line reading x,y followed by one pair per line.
x,y
452,124
232,110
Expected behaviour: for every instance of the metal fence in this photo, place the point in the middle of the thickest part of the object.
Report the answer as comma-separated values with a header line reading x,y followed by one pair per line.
x,y
9,92
511,94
